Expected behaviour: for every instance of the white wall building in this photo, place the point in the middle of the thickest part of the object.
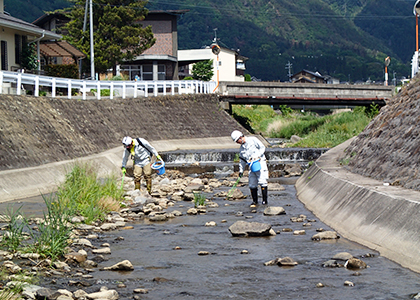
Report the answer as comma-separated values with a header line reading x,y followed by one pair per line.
x,y
231,65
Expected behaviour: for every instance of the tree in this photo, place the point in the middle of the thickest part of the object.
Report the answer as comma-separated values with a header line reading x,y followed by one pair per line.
x,y
203,70
118,36
29,59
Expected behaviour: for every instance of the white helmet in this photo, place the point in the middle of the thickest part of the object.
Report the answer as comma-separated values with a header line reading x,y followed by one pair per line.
x,y
127,141
236,134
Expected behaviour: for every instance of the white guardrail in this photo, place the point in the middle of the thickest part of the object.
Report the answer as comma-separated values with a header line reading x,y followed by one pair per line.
x,y
116,88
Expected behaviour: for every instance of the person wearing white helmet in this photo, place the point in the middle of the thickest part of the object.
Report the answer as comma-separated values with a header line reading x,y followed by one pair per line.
x,y
141,152
253,150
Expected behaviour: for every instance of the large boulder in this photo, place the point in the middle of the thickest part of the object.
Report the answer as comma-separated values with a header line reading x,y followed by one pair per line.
x,y
242,228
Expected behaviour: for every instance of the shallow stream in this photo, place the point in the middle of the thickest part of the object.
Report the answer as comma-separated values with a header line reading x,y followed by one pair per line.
x,y
226,273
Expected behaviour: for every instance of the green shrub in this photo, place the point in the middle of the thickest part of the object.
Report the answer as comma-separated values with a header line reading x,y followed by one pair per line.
x,y
199,199
64,71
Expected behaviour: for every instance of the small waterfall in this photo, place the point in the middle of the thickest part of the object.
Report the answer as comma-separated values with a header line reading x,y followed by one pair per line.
x,y
222,162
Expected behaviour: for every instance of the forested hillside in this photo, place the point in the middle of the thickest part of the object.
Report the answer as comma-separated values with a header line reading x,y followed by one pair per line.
x,y
347,39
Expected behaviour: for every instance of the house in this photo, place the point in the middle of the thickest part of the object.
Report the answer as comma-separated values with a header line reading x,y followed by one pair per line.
x,y
228,63
14,33
159,62
57,52
306,76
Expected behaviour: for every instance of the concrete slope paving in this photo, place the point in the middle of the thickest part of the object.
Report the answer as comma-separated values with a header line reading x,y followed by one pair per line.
x,y
380,216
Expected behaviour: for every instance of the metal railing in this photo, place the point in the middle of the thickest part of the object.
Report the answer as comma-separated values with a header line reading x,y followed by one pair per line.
x,y
122,89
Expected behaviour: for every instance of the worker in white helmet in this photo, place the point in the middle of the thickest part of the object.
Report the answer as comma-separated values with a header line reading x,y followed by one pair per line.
x,y
141,152
252,150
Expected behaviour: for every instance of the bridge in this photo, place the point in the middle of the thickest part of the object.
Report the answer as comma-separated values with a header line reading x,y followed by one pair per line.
x,y
302,95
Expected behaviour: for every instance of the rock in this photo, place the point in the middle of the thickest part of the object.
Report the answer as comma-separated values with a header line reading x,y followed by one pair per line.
x,y
332,263
294,139
203,253
293,169
236,195
210,224
319,285
121,266
76,257
45,293
355,263
141,291
325,235
342,256
192,211
286,261
108,226
299,232
108,295
244,252
243,228
274,186
61,265
105,250
82,242
348,283
274,211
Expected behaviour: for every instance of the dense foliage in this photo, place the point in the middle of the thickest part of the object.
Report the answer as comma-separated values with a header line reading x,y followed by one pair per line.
x,y
203,70
348,39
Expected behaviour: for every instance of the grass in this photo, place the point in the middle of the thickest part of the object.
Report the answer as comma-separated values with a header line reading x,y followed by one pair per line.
x,y
316,131
81,194
84,195
199,199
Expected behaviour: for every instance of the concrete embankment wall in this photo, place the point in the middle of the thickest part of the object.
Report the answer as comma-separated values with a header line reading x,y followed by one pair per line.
x,y
41,138
381,217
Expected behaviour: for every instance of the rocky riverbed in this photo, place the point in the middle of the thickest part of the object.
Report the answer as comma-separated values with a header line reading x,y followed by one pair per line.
x,y
164,245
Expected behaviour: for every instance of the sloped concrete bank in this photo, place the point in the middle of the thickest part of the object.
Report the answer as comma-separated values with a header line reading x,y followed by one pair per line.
x,y
364,210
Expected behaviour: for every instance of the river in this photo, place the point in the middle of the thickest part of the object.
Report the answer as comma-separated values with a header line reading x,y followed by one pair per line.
x,y
226,273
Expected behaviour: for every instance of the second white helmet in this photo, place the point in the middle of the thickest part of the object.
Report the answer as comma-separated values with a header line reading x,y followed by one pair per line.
x,y
236,134
127,141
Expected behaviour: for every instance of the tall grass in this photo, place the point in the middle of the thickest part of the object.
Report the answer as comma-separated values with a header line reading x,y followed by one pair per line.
x,y
316,131
14,235
83,194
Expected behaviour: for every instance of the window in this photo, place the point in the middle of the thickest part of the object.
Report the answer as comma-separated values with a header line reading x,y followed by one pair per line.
x,y
3,49
161,72
18,48
147,72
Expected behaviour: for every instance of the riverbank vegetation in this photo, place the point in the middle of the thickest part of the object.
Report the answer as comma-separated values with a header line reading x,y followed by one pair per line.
x,y
314,130
82,194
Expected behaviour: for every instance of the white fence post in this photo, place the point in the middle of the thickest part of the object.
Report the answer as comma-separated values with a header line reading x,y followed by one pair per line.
x,y
146,90
172,88
135,89
123,90
53,88
1,82
69,89
36,86
111,94
84,90
19,84
98,89
155,89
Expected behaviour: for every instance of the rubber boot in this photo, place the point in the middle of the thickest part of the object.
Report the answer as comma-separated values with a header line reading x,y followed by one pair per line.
x,y
264,195
254,195
149,186
137,185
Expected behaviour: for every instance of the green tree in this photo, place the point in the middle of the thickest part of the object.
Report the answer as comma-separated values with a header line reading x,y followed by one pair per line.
x,y
118,36
203,70
29,60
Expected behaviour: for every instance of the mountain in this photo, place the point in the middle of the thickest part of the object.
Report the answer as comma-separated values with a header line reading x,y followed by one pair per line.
x,y
347,39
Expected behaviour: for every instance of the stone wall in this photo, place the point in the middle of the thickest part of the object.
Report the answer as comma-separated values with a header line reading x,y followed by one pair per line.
x,y
389,147
40,130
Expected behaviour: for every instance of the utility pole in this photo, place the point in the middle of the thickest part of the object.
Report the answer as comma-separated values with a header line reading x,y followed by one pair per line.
x,y
289,68
92,59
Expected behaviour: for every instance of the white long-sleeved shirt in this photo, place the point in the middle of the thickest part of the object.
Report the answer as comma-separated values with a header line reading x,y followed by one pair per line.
x,y
251,149
140,154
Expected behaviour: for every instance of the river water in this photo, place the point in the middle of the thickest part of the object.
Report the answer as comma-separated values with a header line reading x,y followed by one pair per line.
x,y
226,273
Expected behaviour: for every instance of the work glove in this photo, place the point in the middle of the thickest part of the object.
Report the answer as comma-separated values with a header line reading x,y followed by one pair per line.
x,y
241,174
123,170
158,157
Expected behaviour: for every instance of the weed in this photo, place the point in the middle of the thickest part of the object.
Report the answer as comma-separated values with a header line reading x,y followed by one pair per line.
x,y
14,235
199,199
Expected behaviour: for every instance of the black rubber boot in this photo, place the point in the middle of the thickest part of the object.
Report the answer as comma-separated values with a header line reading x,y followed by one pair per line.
x,y
264,195
254,194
